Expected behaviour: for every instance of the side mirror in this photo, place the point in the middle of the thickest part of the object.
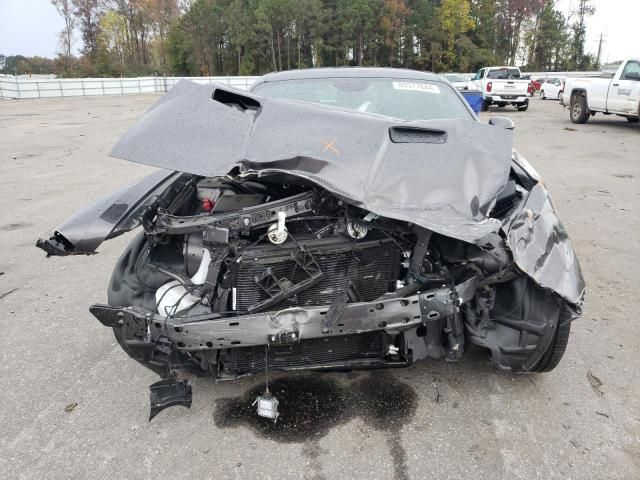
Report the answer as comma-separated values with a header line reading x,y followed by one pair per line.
x,y
632,76
504,122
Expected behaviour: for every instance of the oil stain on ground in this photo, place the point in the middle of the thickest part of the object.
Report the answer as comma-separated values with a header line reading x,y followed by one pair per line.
x,y
310,405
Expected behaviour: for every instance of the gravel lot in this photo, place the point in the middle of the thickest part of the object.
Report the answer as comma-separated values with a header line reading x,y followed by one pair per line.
x,y
75,406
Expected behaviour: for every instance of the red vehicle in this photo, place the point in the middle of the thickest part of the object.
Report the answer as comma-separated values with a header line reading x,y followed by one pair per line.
x,y
537,83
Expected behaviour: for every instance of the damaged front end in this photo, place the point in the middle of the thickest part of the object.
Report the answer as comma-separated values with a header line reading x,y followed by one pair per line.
x,y
282,256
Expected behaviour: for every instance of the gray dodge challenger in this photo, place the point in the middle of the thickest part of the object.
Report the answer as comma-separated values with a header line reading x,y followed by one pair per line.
x,y
330,219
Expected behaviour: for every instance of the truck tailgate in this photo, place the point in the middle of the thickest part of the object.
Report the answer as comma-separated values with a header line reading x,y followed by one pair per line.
x,y
510,87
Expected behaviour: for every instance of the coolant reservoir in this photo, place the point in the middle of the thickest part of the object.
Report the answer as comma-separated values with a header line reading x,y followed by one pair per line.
x,y
173,298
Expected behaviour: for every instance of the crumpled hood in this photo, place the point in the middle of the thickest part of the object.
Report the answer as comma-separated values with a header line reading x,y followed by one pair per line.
x,y
443,175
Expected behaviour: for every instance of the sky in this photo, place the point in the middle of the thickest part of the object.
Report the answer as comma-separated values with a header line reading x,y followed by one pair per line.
x,y
617,20
30,27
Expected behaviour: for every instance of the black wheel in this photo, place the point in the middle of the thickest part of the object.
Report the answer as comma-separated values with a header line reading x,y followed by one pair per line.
x,y
485,106
542,95
558,345
633,119
523,107
560,95
579,110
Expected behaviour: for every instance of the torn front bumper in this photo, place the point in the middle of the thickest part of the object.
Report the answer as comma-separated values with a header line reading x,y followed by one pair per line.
x,y
168,342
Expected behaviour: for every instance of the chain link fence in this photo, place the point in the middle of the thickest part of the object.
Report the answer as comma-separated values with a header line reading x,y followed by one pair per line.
x,y
14,88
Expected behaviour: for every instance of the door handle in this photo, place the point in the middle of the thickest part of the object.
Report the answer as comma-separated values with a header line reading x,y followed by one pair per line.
x,y
616,85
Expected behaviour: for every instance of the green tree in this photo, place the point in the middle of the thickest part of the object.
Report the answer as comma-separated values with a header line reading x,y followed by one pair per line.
x,y
481,50
425,35
548,42
360,29
395,31
455,20
161,14
111,44
179,51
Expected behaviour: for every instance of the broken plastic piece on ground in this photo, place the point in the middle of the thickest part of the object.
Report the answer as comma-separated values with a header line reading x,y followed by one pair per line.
x,y
167,393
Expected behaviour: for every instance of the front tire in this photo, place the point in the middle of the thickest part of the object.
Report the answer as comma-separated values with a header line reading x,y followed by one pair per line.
x,y
579,110
633,119
560,95
542,97
558,346
523,107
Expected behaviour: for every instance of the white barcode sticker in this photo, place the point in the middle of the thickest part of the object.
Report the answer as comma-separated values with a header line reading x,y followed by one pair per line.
x,y
416,86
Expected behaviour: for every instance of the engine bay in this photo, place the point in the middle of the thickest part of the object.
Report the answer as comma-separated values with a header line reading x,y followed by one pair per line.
x,y
236,276
261,251
242,274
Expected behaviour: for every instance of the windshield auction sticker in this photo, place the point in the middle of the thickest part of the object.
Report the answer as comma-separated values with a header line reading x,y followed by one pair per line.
x,y
416,87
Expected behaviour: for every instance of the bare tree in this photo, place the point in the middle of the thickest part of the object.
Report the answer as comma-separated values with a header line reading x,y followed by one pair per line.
x,y
88,13
65,9
162,14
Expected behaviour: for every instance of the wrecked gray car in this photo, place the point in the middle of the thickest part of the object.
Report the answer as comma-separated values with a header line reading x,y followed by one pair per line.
x,y
331,219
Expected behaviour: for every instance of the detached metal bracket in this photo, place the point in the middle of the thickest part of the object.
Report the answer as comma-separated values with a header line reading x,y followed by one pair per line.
x,y
336,308
168,393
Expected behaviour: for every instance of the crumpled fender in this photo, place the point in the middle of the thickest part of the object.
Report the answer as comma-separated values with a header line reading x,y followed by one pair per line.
x,y
541,247
113,214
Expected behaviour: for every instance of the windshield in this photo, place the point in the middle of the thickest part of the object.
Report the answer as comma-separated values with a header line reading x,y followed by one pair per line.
x,y
504,74
399,98
455,78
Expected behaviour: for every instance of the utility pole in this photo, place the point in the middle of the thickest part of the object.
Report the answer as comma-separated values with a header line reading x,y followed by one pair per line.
x,y
603,39
599,51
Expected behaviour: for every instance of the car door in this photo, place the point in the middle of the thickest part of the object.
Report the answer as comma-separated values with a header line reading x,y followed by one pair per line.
x,y
547,88
624,92
555,88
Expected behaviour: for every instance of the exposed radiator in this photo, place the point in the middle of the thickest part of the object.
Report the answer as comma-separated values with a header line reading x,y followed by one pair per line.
x,y
370,265
308,352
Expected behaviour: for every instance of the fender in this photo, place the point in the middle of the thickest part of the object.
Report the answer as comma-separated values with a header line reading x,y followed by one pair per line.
x,y
113,214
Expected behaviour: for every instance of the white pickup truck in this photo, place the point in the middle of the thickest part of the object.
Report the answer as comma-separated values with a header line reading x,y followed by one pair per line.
x,y
618,96
503,85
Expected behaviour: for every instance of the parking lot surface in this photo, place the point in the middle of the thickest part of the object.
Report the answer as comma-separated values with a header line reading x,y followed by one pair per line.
x,y
73,405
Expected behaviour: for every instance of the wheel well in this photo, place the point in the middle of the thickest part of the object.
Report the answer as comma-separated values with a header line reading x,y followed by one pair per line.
x,y
578,92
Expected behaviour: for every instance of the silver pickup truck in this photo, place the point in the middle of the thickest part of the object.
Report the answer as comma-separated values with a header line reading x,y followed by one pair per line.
x,y
503,85
619,95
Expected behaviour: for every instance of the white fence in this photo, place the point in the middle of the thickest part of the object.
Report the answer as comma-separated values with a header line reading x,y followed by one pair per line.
x,y
535,75
11,87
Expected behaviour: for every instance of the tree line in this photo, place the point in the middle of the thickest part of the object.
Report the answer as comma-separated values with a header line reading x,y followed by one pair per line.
x,y
252,37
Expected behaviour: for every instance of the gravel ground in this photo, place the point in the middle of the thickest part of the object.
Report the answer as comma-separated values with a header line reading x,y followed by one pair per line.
x,y
75,406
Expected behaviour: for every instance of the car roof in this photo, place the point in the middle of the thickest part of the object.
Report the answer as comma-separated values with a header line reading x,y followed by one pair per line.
x,y
348,72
